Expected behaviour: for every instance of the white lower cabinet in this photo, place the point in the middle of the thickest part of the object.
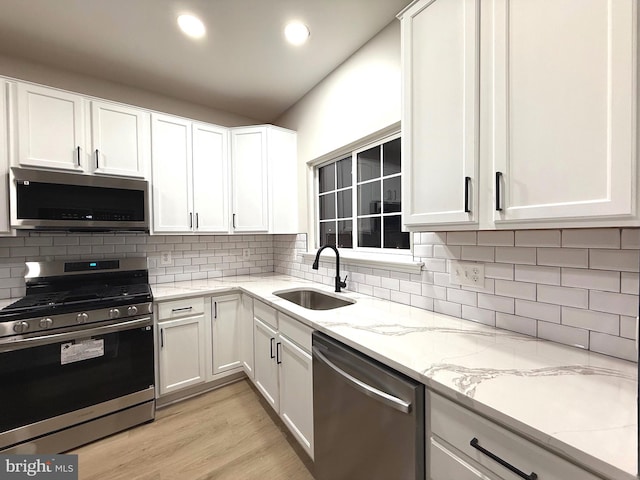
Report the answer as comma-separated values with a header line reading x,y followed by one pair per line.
x,y
464,445
182,356
283,370
245,335
225,351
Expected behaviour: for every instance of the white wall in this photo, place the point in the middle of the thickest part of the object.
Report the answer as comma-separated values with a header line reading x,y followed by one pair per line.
x,y
360,97
85,84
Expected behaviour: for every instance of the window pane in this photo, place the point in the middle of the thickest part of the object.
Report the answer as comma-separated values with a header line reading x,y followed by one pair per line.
x,y
369,198
327,233
345,201
344,172
369,233
327,206
369,164
327,178
393,236
345,234
392,194
391,160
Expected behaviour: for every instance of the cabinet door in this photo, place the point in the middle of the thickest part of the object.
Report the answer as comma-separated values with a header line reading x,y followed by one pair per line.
x,y
245,335
563,109
440,62
4,160
119,139
210,178
182,353
250,194
296,391
265,367
224,333
171,174
445,465
50,128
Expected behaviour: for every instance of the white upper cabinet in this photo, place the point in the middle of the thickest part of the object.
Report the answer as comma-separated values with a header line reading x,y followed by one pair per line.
x,y
533,105
50,128
563,109
440,123
171,174
265,181
210,178
189,176
119,139
4,160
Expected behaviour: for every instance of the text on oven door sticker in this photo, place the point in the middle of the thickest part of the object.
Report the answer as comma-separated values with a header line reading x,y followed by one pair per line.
x,y
81,350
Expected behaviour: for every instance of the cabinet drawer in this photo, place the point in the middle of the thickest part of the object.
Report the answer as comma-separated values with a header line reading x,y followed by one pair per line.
x,y
458,426
445,465
180,308
265,313
295,330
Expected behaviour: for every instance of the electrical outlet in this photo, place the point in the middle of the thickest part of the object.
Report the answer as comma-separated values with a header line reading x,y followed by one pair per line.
x,y
466,273
246,253
165,258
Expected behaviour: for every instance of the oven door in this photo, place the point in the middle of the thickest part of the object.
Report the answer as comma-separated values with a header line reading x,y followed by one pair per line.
x,y
50,382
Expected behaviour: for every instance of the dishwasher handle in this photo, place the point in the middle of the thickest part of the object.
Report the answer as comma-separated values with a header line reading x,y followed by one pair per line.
x,y
389,400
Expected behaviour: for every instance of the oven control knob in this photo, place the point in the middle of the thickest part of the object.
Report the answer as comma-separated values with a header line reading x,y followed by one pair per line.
x,y
21,327
82,317
132,310
114,313
46,323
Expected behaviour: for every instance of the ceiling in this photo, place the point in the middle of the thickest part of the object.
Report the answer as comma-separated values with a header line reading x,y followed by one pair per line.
x,y
243,65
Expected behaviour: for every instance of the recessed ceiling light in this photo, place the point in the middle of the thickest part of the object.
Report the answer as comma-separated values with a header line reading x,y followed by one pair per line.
x,y
191,26
296,33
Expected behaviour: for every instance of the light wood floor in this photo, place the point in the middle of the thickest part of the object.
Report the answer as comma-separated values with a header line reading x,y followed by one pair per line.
x,y
227,434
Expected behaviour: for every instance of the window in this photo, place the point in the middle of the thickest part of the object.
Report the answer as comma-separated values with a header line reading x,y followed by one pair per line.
x,y
359,202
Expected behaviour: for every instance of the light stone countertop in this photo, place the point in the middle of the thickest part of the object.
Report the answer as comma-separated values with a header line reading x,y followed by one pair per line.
x,y
576,402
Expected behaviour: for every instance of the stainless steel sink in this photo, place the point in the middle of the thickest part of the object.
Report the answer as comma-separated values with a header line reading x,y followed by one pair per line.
x,y
313,299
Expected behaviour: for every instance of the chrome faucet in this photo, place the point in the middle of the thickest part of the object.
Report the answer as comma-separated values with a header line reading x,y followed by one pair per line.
x,y
339,283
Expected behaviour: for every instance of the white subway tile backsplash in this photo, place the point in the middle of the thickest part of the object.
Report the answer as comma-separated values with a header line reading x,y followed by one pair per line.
x,y
383,293
629,283
501,271
506,288
446,251
400,297
535,274
496,239
422,251
591,238
590,320
478,254
591,279
435,264
516,255
419,301
572,297
434,291
630,238
496,303
615,346
410,287
576,337
461,238
517,324
447,308
463,297
619,303
364,289
540,311
538,238
486,317
390,283
622,260
564,257
628,327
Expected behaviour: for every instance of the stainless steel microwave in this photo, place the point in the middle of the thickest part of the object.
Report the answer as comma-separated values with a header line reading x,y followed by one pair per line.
x,y
72,202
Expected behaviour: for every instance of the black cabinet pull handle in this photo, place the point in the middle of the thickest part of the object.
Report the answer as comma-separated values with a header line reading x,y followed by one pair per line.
x,y
190,219
97,158
278,353
467,187
215,309
234,220
271,340
492,456
78,155
162,338
197,221
498,191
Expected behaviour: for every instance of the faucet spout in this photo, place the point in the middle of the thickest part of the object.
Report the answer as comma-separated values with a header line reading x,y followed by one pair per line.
x,y
338,283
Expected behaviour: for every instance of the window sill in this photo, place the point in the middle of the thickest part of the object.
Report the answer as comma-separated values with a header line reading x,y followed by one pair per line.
x,y
398,263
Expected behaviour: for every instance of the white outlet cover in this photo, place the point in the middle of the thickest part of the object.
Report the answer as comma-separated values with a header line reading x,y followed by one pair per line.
x,y
165,258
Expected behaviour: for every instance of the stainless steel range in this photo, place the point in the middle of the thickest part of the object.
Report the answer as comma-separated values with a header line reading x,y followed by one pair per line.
x,y
76,355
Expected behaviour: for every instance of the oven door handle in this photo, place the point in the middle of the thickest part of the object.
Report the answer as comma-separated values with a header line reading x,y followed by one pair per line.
x,y
84,333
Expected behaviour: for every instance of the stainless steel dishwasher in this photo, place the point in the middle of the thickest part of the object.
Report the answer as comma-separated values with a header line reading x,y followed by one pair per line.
x,y
368,419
